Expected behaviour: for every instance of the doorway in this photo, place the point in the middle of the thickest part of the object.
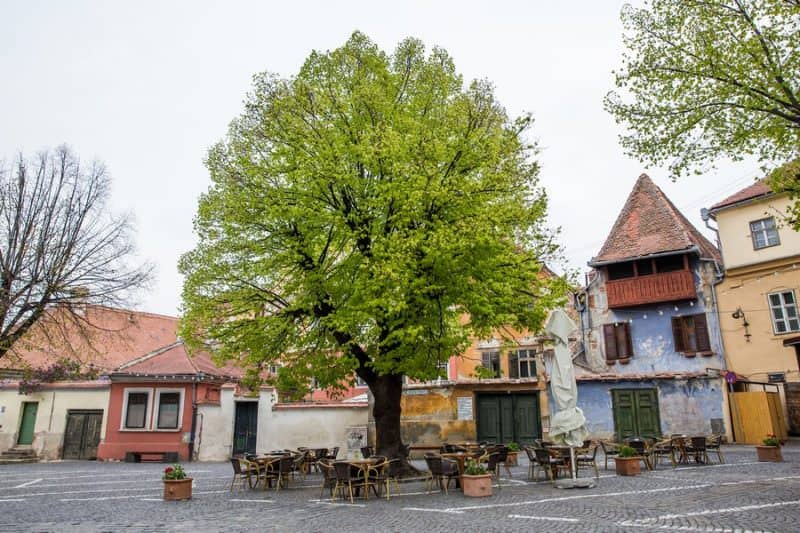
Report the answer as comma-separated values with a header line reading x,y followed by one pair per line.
x,y
245,428
504,418
82,434
28,423
635,413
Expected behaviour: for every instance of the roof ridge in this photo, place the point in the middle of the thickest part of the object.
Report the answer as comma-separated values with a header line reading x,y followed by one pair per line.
x,y
149,355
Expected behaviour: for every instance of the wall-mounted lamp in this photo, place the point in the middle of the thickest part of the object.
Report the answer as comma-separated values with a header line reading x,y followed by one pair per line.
x,y
740,314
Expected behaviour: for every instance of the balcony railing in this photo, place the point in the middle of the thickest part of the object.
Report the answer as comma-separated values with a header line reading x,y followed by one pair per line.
x,y
666,287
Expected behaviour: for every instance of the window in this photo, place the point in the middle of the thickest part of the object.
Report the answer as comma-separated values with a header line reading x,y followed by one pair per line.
x,y
690,333
670,263
444,369
618,341
522,363
784,312
491,361
168,410
620,271
764,233
136,409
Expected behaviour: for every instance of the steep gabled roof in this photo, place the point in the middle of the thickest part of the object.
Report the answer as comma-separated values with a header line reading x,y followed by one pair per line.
x,y
172,360
649,224
756,190
105,338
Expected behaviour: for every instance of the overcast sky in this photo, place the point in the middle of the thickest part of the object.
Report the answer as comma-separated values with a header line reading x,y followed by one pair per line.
x,y
147,87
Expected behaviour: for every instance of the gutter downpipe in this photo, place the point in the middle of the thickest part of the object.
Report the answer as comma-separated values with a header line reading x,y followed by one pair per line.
x,y
719,277
194,419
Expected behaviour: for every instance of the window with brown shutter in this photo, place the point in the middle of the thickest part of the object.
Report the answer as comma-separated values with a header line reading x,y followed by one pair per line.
x,y
690,333
619,344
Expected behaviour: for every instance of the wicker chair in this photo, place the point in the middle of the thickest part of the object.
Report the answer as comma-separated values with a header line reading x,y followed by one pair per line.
x,y
284,471
440,469
244,471
344,479
367,451
333,454
610,450
328,476
698,448
588,459
386,473
662,449
714,444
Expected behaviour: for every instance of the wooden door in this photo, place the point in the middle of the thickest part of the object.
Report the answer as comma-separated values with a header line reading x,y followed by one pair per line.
x,y
504,418
28,423
635,413
488,423
82,434
245,429
526,415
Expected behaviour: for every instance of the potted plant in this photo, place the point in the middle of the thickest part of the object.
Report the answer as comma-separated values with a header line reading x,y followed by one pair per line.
x,y
513,452
627,462
476,481
176,485
770,450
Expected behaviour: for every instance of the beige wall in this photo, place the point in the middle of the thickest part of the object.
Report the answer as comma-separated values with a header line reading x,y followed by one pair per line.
x,y
734,233
764,352
51,416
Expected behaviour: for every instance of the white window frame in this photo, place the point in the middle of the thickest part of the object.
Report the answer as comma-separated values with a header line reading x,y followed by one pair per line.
x,y
148,408
760,227
444,365
158,393
783,306
531,354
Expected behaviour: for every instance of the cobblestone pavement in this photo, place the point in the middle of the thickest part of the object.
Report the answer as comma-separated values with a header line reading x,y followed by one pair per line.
x,y
739,495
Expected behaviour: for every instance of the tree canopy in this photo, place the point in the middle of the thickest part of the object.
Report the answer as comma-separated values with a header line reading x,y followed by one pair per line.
x,y
368,215
707,79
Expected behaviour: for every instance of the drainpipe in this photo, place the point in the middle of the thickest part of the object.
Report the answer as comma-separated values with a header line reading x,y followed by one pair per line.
x,y
194,419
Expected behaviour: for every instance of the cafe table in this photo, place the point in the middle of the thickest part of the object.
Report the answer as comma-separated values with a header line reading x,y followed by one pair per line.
x,y
265,462
364,466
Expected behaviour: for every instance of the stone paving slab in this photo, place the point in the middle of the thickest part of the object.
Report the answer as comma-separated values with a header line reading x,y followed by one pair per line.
x,y
740,495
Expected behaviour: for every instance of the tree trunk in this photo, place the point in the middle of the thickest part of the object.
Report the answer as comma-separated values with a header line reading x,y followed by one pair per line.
x,y
387,391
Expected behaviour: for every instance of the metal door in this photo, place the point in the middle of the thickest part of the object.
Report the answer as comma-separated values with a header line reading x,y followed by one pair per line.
x,y
82,434
28,422
245,428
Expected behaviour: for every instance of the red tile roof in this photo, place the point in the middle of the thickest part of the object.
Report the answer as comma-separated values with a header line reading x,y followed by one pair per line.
x,y
174,360
648,224
107,338
759,188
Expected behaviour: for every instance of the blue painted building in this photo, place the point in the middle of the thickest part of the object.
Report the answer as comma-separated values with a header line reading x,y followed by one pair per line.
x,y
652,352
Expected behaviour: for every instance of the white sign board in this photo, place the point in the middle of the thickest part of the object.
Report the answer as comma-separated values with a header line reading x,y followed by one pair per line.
x,y
464,407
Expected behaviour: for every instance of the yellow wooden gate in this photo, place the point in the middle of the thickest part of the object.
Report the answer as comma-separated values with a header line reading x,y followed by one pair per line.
x,y
757,414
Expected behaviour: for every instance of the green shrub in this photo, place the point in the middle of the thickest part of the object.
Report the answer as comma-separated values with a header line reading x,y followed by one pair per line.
x,y
627,451
474,468
771,440
513,447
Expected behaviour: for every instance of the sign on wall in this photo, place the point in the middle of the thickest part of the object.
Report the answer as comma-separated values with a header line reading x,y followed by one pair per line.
x,y
464,407
356,437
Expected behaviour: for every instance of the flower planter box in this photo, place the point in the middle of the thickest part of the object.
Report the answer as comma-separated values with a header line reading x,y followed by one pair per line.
x,y
178,489
628,466
511,459
769,453
477,486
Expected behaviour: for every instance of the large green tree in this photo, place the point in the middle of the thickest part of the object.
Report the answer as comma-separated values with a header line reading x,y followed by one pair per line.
x,y
708,79
367,216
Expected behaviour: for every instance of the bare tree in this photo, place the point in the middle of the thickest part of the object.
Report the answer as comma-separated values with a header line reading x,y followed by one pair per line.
x,y
61,248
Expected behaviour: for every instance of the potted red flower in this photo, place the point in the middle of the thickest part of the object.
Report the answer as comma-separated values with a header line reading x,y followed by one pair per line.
x,y
176,485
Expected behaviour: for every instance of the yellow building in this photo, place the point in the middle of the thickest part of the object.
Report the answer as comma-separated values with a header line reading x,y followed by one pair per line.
x,y
758,297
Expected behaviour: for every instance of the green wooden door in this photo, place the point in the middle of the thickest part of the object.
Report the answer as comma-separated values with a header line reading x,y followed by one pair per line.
x,y
28,422
635,413
503,418
488,422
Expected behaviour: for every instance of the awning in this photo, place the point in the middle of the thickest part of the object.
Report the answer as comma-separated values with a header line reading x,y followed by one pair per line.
x,y
792,341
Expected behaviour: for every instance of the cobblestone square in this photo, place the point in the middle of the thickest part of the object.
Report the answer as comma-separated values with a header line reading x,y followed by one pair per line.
x,y
739,495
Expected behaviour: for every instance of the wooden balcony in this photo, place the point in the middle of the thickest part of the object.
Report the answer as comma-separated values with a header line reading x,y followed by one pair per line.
x,y
666,287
